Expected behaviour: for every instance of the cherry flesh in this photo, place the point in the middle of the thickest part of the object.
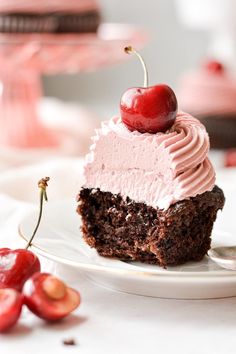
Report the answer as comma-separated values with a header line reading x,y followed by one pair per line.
x,y
148,109
11,302
49,298
16,266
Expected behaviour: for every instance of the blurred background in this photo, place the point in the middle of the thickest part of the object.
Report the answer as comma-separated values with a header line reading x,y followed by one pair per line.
x,y
60,77
171,50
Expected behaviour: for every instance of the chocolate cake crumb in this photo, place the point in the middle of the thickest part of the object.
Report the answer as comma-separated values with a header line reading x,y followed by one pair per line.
x,y
69,341
130,231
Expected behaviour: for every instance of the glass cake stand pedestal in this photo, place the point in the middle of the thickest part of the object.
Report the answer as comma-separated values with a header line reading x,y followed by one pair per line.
x,y
25,57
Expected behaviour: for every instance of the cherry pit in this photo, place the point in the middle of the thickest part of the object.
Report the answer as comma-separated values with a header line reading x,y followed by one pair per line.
x,y
22,283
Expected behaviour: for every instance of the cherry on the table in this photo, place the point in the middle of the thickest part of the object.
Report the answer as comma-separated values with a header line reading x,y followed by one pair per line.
x,y
49,297
148,109
16,266
11,302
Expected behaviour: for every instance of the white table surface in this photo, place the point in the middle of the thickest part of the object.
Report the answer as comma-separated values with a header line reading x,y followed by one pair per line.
x,y
110,322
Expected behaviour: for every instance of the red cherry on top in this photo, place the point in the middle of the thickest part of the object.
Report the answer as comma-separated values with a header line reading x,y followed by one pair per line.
x,y
10,308
214,67
152,109
148,109
49,298
16,266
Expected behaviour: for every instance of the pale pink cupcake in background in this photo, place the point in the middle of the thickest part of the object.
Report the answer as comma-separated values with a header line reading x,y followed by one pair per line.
x,y
55,16
209,93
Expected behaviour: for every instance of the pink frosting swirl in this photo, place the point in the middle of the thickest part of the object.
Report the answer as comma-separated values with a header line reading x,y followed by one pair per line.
x,y
157,169
187,142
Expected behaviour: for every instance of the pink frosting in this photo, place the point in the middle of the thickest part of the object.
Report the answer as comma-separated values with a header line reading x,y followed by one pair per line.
x,y
205,93
157,169
41,6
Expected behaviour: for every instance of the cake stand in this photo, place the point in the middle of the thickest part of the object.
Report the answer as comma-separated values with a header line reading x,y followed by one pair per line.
x,y
25,57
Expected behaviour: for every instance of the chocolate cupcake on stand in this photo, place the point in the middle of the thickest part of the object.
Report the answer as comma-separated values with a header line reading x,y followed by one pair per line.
x,y
209,93
24,57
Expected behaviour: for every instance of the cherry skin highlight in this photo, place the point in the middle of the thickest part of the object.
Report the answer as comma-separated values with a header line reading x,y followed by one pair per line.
x,y
49,298
16,266
11,303
149,109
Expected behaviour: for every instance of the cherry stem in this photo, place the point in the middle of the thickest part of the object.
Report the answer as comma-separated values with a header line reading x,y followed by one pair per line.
x,y
42,184
131,50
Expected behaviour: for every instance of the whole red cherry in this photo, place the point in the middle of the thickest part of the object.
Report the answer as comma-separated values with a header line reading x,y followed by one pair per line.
x,y
49,298
11,302
148,109
16,266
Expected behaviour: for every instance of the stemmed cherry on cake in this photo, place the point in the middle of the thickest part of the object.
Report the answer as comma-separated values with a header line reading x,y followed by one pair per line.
x,y
149,192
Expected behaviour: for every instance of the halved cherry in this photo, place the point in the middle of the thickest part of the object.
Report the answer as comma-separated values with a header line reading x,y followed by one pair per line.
x,y
49,298
11,302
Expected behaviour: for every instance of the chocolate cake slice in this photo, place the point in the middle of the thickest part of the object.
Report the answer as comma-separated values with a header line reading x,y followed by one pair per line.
x,y
122,228
150,197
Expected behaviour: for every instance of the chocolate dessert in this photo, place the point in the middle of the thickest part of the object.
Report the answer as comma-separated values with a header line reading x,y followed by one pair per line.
x,y
122,228
149,193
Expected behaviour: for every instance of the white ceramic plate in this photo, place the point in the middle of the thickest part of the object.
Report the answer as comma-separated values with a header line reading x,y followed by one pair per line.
x,y
59,239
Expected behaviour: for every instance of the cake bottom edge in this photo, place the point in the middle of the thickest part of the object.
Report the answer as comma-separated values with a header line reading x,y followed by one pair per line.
x,y
130,231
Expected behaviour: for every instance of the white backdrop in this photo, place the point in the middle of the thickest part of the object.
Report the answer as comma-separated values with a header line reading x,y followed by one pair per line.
x,y
171,50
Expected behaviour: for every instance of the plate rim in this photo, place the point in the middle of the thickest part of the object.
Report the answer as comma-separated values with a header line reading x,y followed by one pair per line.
x,y
115,270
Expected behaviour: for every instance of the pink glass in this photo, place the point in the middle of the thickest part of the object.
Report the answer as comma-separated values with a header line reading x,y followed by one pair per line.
x,y
24,57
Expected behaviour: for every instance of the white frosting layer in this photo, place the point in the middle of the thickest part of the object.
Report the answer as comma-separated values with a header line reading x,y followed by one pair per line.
x,y
157,169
